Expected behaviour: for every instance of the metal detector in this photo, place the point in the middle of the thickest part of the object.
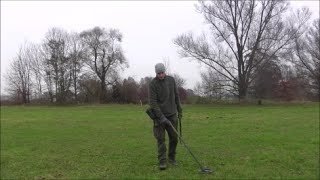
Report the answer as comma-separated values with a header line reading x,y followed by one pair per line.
x,y
203,170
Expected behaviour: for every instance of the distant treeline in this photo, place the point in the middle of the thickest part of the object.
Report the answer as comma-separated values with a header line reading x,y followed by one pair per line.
x,y
255,50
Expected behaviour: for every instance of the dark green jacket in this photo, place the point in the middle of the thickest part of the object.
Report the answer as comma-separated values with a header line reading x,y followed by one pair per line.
x,y
164,96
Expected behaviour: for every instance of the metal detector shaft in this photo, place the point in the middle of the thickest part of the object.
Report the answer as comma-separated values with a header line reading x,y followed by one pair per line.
x,y
180,128
185,145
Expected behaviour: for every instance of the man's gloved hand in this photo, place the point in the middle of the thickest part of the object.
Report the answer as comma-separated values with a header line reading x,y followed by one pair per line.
x,y
164,121
180,115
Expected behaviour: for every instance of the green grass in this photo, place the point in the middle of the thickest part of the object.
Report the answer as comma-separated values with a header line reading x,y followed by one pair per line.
x,y
116,142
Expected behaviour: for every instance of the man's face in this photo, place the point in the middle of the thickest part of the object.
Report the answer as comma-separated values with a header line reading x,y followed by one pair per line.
x,y
161,75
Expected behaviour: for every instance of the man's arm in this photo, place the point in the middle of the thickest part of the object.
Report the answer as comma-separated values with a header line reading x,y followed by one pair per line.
x,y
155,107
177,98
153,101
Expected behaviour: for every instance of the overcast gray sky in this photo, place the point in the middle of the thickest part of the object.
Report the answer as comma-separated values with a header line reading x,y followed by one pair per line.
x,y
148,29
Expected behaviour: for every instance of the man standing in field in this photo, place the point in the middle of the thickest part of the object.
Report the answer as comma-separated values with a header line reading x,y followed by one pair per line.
x,y
165,102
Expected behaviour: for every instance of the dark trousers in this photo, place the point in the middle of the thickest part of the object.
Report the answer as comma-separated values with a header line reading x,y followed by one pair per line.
x,y
159,134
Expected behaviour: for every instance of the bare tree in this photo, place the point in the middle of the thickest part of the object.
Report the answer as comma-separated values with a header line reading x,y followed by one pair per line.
x,y
130,91
36,60
77,57
307,54
89,87
143,89
213,84
198,90
58,64
245,34
267,78
19,76
103,53
180,82
166,62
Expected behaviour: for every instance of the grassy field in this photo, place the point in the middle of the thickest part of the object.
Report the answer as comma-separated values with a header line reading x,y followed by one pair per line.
x,y
116,142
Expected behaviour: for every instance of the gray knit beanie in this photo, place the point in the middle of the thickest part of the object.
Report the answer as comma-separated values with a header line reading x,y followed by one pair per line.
x,y
160,68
